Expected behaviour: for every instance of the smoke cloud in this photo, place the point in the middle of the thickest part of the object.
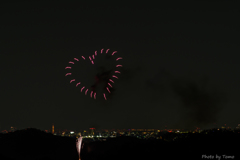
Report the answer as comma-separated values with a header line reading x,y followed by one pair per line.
x,y
199,100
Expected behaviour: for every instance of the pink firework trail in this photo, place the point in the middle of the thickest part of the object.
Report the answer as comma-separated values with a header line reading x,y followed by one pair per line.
x,y
83,57
93,57
101,50
114,53
118,65
117,72
90,58
95,95
108,90
82,88
107,50
72,80
95,53
78,84
68,67
86,92
111,80
118,58
68,74
109,84
115,76
91,94
71,62
104,96
76,59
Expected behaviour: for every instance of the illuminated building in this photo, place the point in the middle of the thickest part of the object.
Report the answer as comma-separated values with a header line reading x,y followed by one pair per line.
x,y
13,129
238,127
52,128
92,131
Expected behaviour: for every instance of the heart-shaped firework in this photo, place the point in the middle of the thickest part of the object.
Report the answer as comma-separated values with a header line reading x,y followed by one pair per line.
x,y
105,78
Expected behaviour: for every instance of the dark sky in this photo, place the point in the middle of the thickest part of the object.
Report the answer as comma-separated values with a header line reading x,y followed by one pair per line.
x,y
180,64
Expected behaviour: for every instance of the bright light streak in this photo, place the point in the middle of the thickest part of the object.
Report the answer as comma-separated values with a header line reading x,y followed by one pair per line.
x,y
117,72
78,146
107,50
95,95
86,92
115,76
83,57
95,53
82,88
111,80
101,50
91,94
78,84
108,90
76,59
68,67
93,57
105,99
109,84
118,65
90,58
71,62
68,74
72,80
118,58
114,53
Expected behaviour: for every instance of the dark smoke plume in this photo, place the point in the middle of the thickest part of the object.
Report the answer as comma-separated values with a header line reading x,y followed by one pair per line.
x,y
202,103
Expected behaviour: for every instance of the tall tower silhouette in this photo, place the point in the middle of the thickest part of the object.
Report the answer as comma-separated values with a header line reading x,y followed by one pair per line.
x,y
92,131
52,128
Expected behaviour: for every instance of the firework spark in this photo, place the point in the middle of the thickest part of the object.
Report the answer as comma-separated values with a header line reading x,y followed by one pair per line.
x,y
78,146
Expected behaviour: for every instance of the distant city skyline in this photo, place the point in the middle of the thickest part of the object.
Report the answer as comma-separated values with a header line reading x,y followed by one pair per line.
x,y
53,130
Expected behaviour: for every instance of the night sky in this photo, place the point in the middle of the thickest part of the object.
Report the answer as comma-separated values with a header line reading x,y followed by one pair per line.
x,y
180,64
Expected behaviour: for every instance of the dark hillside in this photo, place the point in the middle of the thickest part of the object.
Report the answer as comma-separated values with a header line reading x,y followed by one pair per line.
x,y
35,144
